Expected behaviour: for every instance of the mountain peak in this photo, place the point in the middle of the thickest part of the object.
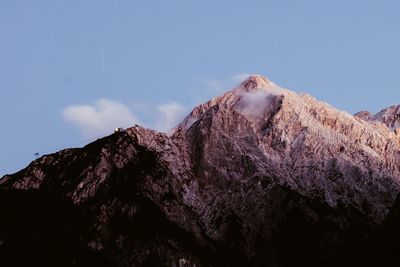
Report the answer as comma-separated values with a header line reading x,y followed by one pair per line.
x,y
256,81
258,157
389,116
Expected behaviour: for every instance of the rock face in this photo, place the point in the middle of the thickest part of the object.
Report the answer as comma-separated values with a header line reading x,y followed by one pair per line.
x,y
260,176
389,116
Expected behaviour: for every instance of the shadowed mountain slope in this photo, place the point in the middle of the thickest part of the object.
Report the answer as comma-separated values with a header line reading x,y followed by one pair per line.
x,y
260,176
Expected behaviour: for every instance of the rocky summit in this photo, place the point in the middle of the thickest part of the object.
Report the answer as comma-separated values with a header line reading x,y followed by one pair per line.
x,y
260,176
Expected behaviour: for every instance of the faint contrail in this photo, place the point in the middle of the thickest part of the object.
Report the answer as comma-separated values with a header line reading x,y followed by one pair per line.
x,y
103,63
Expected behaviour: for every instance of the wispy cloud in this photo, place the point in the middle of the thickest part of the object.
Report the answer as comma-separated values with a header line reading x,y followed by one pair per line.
x,y
105,115
222,85
99,118
255,104
240,77
169,115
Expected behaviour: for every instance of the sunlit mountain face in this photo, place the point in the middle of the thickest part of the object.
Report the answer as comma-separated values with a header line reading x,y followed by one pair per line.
x,y
259,176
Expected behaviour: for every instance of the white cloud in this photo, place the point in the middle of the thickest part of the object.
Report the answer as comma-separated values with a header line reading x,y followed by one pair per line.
x,y
169,115
100,118
105,115
254,102
220,86
257,103
240,77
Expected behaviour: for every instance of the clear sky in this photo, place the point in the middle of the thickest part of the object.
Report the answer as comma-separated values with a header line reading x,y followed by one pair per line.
x,y
71,70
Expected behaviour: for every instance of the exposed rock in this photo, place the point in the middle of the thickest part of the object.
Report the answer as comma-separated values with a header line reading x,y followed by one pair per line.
x,y
389,116
260,176
365,115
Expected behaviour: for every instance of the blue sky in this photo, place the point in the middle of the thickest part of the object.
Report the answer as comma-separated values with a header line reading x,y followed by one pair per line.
x,y
69,70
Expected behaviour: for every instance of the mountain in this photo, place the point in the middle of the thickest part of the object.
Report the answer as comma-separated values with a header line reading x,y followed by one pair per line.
x,y
260,176
389,116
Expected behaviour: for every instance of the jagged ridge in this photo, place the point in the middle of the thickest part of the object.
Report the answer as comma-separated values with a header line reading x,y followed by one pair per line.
x,y
260,176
